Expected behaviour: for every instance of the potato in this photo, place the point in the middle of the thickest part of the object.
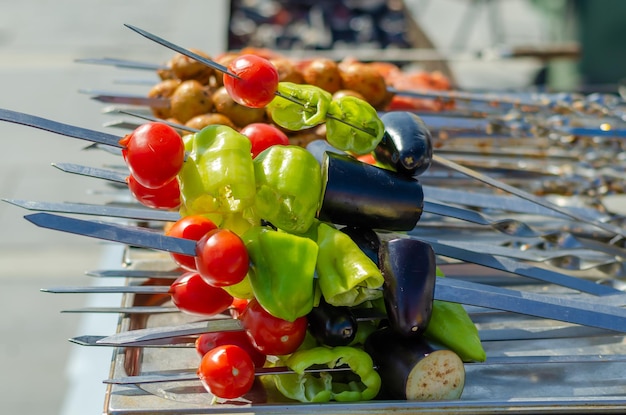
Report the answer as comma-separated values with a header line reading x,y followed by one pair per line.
x,y
366,80
323,73
185,68
191,98
200,121
287,71
239,114
164,89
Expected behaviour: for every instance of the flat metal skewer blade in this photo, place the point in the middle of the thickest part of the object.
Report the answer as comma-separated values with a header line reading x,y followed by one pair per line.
x,y
525,195
59,128
105,174
122,63
140,237
590,314
121,289
97,210
179,49
134,273
123,310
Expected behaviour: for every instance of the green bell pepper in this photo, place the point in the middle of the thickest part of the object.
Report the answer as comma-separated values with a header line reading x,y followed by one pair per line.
x,y
306,387
451,326
308,108
288,187
282,271
354,125
346,275
218,175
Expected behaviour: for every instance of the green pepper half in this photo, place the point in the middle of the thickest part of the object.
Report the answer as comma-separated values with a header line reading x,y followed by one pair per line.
x,y
308,108
354,125
288,187
282,271
361,385
218,175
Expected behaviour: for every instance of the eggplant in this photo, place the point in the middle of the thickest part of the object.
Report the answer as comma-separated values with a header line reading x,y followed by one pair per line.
x,y
332,325
413,368
361,195
406,146
366,239
409,269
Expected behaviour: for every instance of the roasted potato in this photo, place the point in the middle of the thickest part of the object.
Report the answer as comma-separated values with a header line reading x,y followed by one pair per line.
x,y
239,114
191,98
366,80
323,73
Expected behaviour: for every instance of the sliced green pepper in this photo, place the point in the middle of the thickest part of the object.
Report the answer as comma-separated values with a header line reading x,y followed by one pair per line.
x,y
354,125
346,275
288,187
282,271
218,175
306,387
308,108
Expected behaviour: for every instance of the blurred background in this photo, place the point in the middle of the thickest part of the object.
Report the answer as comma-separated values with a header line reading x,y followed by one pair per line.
x,y
483,44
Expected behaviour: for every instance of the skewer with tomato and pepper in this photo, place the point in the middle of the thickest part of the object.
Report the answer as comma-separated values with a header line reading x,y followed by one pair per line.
x,y
283,232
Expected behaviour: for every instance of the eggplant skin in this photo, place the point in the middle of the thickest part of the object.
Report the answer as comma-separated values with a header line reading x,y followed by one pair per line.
x,y
415,369
406,146
409,269
331,325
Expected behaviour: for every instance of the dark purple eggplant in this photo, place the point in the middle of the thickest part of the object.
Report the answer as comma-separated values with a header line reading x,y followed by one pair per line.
x,y
319,147
406,146
332,325
361,195
415,369
409,269
366,239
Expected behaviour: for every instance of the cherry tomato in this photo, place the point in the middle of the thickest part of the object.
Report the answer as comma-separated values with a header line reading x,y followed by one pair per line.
x,y
272,335
227,371
264,135
166,197
192,295
154,153
222,258
257,82
209,341
191,227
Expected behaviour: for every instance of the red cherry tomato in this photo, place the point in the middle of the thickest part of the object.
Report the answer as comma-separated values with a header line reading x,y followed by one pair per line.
x,y
263,135
154,152
257,82
222,258
191,227
166,197
272,335
227,371
209,341
192,295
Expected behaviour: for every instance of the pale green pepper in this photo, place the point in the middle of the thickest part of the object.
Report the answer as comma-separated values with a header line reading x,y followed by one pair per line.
x,y
353,125
217,176
308,108
282,271
346,275
288,187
